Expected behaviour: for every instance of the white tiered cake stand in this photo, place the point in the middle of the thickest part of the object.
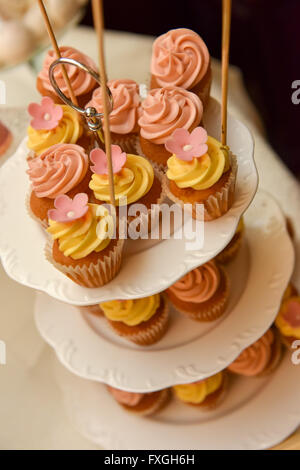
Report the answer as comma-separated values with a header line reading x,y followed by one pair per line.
x,y
189,351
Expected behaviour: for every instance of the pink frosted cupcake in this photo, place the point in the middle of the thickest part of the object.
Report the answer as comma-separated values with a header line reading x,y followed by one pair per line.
x,y
124,117
82,83
180,58
163,111
62,169
260,358
144,404
202,294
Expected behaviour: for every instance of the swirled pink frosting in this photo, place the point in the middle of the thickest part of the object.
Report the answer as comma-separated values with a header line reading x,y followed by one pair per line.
x,y
254,359
126,101
58,170
126,398
198,285
81,81
179,58
167,109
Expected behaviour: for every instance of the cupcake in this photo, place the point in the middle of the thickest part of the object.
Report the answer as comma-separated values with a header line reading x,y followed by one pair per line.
x,y
54,124
62,169
5,138
288,320
144,404
163,111
82,83
180,58
91,309
201,173
134,181
202,294
85,247
207,393
232,249
260,358
142,321
123,119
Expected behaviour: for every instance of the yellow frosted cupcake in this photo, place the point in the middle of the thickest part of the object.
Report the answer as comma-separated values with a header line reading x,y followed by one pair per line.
x,y
134,180
205,393
54,124
232,249
142,321
200,172
85,247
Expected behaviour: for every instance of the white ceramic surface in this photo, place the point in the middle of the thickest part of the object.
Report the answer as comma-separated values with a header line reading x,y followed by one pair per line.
x,y
256,414
189,351
151,266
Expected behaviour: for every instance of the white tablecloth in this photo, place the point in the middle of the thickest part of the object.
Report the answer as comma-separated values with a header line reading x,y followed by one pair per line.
x,y
32,415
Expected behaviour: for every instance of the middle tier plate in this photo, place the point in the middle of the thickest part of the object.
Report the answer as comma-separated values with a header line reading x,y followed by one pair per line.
x,y
149,266
189,351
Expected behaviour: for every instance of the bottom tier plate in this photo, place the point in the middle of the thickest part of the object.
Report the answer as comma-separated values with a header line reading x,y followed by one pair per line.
x,y
189,351
256,414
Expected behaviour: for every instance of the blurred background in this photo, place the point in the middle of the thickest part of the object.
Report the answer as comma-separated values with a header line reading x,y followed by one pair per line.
x,y
265,45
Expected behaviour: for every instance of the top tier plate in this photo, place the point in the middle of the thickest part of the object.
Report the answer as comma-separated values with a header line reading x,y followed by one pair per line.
x,y
148,266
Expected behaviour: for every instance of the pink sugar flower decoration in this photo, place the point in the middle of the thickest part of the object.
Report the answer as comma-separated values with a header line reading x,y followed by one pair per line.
x,y
292,315
99,158
67,209
46,116
187,146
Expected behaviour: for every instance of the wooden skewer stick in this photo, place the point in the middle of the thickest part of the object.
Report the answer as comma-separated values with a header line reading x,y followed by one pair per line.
x,y
57,51
97,6
226,20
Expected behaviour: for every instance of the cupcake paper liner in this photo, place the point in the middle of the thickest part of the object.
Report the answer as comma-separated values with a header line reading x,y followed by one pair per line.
x,y
213,311
126,142
160,400
276,355
144,219
287,341
215,205
94,275
138,150
231,250
145,336
43,222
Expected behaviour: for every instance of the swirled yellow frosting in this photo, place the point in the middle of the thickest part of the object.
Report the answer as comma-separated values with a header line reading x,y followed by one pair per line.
x,y
203,172
81,237
133,181
197,392
131,312
68,131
